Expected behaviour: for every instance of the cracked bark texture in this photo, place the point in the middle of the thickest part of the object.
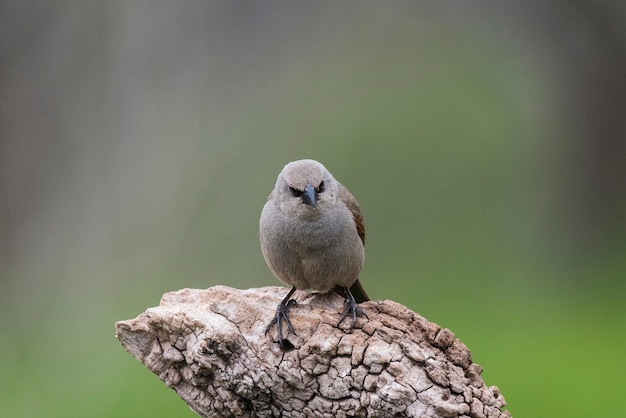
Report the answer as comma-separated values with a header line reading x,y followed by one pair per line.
x,y
210,346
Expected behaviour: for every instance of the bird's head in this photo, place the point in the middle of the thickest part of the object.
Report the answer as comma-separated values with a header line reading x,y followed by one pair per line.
x,y
306,187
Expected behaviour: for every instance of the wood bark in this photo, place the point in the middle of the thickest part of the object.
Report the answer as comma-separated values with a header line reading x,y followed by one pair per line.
x,y
211,347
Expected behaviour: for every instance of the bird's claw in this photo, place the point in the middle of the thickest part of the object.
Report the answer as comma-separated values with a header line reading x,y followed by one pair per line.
x,y
282,315
352,310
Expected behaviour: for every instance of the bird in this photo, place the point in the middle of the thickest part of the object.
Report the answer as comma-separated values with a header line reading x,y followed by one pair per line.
x,y
312,238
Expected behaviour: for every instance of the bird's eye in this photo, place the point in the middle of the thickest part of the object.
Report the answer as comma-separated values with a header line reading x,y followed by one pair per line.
x,y
295,192
321,187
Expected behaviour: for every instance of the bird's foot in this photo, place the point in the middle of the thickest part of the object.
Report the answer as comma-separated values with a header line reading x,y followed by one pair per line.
x,y
350,309
282,315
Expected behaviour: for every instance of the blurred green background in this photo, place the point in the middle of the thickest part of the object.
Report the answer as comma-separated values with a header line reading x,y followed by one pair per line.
x,y
485,142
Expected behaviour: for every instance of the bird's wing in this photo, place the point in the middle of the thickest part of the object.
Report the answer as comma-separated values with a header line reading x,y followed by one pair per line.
x,y
346,197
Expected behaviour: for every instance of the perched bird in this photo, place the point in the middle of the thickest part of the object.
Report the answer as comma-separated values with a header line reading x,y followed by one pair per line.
x,y
312,237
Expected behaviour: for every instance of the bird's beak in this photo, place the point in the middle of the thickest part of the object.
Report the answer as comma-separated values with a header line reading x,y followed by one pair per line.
x,y
310,195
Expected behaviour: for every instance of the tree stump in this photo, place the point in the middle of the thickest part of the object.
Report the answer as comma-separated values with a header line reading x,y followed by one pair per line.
x,y
211,347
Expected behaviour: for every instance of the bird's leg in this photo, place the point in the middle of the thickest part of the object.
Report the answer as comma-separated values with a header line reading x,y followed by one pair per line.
x,y
350,308
282,314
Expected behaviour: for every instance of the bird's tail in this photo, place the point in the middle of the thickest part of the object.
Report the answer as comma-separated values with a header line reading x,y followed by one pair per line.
x,y
357,291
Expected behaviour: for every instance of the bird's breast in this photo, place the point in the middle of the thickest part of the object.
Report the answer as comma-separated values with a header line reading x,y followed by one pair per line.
x,y
314,233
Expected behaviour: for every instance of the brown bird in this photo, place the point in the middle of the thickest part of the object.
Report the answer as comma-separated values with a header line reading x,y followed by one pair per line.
x,y
312,237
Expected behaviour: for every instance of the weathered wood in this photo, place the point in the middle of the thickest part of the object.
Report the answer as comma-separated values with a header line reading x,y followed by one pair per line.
x,y
210,346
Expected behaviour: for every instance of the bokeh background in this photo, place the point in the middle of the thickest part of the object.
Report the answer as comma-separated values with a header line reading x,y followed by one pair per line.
x,y
484,140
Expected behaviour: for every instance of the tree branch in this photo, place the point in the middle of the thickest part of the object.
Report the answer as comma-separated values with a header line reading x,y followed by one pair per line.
x,y
210,346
